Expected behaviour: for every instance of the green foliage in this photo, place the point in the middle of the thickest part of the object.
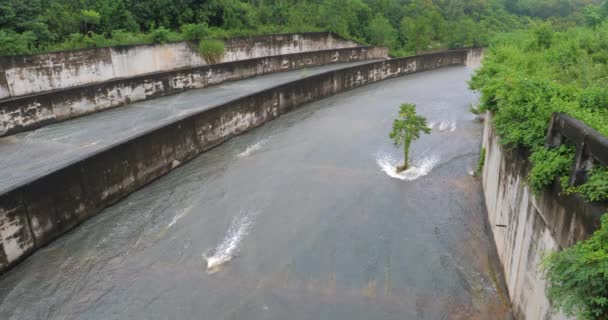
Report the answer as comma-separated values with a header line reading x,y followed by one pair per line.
x,y
407,127
382,33
481,162
527,76
548,165
12,43
406,26
211,50
596,187
195,31
578,277
161,35
91,17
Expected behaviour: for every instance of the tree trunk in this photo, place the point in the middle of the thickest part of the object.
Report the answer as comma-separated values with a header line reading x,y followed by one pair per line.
x,y
406,157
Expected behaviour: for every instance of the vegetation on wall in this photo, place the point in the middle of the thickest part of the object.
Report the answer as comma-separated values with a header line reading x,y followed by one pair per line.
x,y
404,26
578,277
211,50
528,75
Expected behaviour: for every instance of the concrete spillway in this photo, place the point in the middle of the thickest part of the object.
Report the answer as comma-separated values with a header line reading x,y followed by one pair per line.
x,y
28,155
323,231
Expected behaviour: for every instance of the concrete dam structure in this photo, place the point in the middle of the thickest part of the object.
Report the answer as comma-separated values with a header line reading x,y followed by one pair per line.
x,y
262,187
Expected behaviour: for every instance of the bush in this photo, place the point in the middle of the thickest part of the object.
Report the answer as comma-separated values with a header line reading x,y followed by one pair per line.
x,y
548,165
193,31
596,188
160,35
481,162
211,50
578,277
12,43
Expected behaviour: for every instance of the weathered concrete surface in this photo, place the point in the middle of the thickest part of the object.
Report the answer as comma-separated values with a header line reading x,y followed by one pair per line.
x,y
100,178
28,112
527,226
21,75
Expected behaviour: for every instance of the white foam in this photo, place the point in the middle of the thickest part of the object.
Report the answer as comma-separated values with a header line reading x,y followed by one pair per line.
x,y
453,126
420,167
179,216
431,125
229,246
252,148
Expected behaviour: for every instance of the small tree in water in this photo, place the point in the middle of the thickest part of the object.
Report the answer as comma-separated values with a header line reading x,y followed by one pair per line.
x,y
407,128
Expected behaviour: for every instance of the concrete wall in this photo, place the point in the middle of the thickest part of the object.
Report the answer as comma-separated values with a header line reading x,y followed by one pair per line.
x,y
21,75
29,112
527,226
32,215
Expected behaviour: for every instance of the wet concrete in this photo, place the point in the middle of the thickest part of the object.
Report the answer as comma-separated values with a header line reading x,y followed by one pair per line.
x,y
331,235
25,156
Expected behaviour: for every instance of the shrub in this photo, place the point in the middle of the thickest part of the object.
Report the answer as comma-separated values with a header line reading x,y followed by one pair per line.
x,y
481,162
548,165
194,31
211,50
12,43
160,35
578,277
596,188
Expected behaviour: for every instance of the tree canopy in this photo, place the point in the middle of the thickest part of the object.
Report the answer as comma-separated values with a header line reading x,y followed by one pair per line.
x,y
407,127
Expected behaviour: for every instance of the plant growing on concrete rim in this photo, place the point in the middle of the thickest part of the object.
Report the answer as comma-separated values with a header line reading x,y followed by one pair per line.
x,y
481,162
211,50
578,277
407,128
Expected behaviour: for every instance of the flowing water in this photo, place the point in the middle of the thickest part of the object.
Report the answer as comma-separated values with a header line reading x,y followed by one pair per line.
x,y
302,218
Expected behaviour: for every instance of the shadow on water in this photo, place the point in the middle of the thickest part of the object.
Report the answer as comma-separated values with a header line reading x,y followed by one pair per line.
x,y
297,220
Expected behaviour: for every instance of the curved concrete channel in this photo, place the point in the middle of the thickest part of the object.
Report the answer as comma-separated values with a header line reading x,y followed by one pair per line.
x,y
303,213
28,155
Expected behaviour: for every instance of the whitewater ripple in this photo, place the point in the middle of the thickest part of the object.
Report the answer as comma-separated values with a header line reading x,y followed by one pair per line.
x,y
227,249
252,148
444,125
419,168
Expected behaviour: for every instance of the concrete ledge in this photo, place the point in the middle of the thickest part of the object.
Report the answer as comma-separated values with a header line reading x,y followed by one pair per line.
x,y
33,111
33,214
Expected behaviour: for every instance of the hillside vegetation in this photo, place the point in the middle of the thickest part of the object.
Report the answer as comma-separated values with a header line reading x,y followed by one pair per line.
x,y
528,75
525,77
405,26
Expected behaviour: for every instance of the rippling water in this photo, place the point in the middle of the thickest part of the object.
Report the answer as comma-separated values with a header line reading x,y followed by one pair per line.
x,y
228,248
302,221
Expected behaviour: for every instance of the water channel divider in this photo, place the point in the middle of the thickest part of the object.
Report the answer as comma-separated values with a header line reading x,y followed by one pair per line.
x,y
32,111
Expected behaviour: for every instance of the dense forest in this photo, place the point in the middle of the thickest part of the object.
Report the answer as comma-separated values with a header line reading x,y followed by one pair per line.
x,y
405,26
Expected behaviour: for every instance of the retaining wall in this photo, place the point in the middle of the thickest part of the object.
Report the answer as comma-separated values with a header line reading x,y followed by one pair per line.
x,y
29,112
21,75
33,214
527,226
